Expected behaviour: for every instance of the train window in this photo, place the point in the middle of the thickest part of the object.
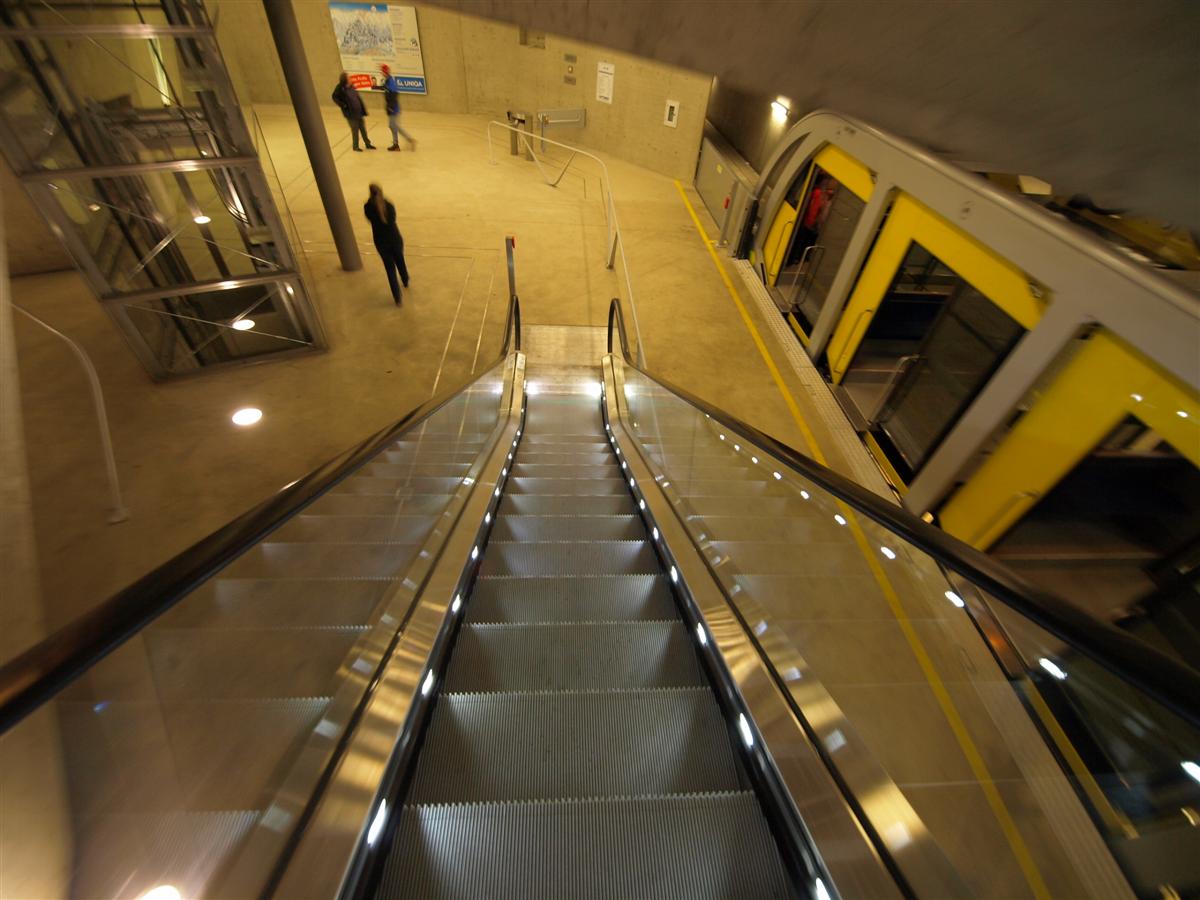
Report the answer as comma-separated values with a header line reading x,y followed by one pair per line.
x,y
931,346
827,215
1121,532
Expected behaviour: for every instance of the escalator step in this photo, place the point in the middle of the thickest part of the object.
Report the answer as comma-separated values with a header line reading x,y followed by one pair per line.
x,y
206,754
541,505
697,846
534,455
582,656
565,470
569,528
277,559
228,663
395,529
574,744
564,558
601,598
604,483
266,602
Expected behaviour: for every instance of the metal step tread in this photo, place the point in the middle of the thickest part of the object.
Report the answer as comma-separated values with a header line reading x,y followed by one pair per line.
x,y
577,527
574,744
692,845
566,504
608,484
566,558
566,656
595,598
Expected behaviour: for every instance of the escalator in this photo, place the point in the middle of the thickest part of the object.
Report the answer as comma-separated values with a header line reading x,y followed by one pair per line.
x,y
541,637
576,748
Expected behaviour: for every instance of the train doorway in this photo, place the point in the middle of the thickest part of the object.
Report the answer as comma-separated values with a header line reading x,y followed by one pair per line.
x,y
932,344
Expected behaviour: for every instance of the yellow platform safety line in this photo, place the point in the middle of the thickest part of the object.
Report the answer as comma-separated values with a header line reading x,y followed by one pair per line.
x,y
974,758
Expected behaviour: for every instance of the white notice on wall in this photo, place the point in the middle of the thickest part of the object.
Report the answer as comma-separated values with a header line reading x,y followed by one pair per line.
x,y
604,81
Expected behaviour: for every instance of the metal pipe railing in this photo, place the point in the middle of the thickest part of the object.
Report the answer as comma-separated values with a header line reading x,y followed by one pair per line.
x,y
117,509
615,242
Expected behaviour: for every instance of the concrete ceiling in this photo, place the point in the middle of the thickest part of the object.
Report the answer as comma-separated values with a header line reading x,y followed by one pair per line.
x,y
1095,96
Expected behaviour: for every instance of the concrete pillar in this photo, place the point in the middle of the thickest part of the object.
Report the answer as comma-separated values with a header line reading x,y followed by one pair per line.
x,y
35,826
286,31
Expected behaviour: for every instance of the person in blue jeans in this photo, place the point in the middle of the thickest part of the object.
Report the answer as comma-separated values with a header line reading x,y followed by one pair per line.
x,y
391,103
353,108
388,241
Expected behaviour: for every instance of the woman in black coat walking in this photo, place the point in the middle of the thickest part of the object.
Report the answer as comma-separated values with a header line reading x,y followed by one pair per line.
x,y
388,241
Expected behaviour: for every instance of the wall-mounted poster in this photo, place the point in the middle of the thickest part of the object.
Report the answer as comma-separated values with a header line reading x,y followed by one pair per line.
x,y
373,34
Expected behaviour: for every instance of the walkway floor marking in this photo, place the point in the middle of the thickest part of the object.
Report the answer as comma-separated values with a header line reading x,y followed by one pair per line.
x,y
974,758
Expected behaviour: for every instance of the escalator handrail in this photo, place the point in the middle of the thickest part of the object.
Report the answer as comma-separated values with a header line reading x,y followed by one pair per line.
x,y
38,674
1170,683
512,327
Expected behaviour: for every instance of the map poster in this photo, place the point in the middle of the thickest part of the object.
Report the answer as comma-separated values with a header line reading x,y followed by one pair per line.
x,y
373,34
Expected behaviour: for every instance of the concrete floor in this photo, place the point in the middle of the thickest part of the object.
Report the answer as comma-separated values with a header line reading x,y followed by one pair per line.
x,y
186,469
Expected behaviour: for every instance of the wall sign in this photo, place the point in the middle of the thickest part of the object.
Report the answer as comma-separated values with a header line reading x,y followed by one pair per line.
x,y
671,114
371,34
604,81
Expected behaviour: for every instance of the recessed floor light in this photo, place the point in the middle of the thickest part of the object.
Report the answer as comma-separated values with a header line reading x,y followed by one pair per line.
x,y
247,416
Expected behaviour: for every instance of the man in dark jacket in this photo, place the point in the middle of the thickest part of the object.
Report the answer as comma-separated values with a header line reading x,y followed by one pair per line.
x,y
346,97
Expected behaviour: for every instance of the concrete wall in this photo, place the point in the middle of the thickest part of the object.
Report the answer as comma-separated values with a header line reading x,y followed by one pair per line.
x,y
744,118
480,67
1093,96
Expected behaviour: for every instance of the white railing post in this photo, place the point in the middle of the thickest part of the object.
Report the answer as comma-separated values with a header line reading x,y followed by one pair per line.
x,y
117,511
610,212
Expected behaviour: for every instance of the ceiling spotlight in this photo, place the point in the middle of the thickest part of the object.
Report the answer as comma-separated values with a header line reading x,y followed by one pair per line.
x,y
779,109
243,324
201,219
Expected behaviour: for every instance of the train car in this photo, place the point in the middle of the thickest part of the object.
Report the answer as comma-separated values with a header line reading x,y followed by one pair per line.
x,y
1031,385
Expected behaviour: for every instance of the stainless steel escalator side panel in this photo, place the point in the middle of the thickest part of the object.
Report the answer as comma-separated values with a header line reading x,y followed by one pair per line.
x,y
764,666
348,809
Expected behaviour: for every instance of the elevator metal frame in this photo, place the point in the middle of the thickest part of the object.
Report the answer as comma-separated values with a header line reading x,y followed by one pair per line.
x,y
178,282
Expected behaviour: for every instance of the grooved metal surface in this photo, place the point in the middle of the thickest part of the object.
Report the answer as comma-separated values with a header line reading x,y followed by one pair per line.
x,y
569,558
541,505
576,528
698,846
569,744
603,486
587,598
575,748
574,656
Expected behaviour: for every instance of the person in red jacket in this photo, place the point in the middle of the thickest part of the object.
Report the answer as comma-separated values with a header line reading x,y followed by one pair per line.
x,y
353,108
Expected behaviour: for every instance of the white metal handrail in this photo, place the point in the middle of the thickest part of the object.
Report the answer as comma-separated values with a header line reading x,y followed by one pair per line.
x,y
118,511
615,242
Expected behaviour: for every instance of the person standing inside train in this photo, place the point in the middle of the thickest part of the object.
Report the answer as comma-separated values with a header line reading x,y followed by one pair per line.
x,y
353,108
381,213
391,103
